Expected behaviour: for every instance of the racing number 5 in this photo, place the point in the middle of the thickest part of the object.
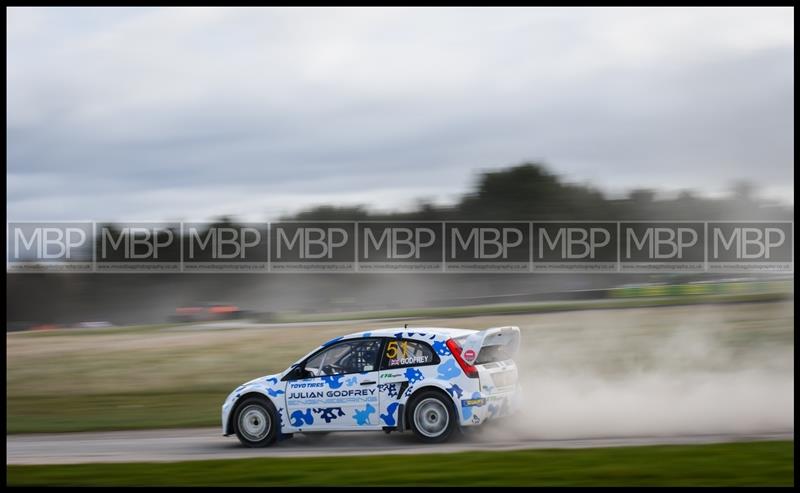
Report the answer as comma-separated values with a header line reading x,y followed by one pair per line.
x,y
394,347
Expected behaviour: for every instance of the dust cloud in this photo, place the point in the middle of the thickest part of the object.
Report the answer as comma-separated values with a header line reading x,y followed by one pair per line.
x,y
667,371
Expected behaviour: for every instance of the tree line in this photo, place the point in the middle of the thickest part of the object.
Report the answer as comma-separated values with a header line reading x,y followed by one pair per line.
x,y
529,191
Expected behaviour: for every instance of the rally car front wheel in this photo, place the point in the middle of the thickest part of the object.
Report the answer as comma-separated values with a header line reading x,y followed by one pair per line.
x,y
432,416
256,423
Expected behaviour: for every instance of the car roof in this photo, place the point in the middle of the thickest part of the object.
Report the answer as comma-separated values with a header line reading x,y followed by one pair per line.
x,y
413,332
427,334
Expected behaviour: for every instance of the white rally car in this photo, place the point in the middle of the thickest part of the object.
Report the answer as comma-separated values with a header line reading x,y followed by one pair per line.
x,y
429,380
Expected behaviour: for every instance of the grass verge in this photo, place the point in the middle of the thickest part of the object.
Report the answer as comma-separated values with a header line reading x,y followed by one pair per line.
x,y
70,413
731,464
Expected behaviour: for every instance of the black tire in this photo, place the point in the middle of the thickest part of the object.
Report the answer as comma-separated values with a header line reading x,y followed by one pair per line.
x,y
256,422
432,416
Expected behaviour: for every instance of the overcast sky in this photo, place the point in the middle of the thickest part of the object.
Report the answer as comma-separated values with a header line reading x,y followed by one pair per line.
x,y
190,113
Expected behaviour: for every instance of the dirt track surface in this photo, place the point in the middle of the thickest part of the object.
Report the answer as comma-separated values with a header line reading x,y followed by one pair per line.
x,y
207,443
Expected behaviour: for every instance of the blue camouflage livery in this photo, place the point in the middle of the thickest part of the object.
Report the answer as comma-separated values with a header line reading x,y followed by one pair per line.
x,y
376,396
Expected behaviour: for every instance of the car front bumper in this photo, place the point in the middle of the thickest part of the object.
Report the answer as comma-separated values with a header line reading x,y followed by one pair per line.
x,y
227,408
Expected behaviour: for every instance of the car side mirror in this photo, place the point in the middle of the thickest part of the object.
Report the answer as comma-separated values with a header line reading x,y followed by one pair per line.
x,y
297,373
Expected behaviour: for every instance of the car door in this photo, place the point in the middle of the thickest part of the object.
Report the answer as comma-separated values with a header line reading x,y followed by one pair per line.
x,y
339,388
403,362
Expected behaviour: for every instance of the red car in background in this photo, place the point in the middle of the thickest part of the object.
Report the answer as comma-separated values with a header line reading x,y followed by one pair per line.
x,y
207,311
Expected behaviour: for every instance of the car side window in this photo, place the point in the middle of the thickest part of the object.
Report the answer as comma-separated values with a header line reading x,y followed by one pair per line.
x,y
345,357
400,353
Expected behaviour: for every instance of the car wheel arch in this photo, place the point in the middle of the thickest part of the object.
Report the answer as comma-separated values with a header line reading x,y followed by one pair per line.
x,y
243,397
431,386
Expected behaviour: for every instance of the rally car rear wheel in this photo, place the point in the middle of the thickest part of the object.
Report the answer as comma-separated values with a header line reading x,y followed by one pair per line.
x,y
433,417
256,422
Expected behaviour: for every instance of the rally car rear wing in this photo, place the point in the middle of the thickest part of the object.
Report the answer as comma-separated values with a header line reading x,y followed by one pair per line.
x,y
508,337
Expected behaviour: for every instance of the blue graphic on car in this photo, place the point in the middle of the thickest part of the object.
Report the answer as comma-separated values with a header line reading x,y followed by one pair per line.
x,y
362,415
448,370
382,379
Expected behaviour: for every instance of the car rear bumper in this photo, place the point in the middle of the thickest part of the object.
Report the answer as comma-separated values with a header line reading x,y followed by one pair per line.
x,y
488,407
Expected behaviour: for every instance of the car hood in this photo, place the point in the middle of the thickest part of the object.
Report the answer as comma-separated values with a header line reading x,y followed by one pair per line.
x,y
266,380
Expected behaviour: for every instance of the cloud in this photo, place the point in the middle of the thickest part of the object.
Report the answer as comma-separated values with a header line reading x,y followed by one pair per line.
x,y
161,113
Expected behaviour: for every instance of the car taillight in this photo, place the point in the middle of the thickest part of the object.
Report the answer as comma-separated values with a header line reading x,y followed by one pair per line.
x,y
455,348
